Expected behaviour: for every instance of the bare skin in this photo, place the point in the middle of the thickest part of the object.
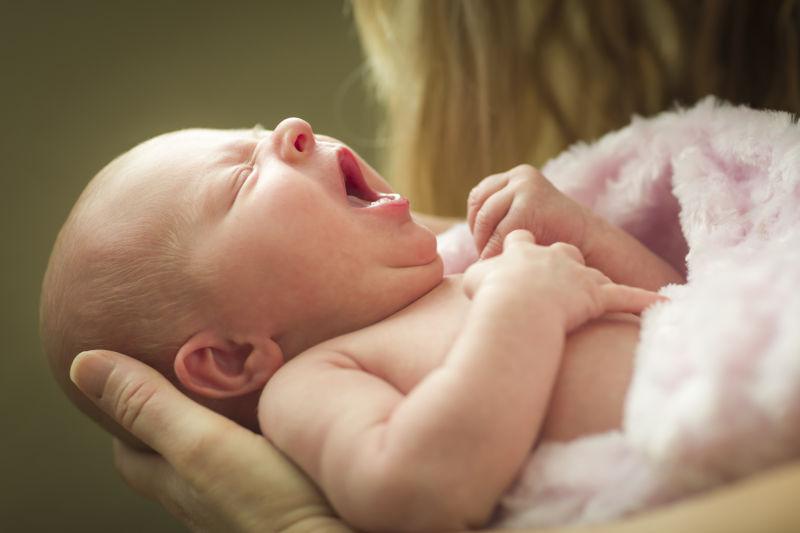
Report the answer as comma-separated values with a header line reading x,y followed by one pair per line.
x,y
465,397
394,365
589,392
214,475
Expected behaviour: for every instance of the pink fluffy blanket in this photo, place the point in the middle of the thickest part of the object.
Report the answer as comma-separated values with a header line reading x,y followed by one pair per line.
x,y
715,394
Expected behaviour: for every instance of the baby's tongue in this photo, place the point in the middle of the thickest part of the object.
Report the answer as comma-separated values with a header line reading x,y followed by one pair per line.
x,y
355,201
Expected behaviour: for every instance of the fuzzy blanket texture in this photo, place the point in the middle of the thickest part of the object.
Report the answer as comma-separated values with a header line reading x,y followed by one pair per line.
x,y
715,394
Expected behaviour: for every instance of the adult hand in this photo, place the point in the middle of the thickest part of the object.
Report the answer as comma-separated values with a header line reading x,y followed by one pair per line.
x,y
522,198
212,474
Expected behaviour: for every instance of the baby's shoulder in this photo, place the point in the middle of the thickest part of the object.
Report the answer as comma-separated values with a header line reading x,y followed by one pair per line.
x,y
311,361
301,400
308,368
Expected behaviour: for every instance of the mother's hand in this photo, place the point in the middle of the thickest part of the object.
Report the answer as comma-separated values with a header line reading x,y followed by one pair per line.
x,y
212,474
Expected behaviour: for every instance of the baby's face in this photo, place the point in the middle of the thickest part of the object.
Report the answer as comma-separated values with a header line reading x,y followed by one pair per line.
x,y
292,226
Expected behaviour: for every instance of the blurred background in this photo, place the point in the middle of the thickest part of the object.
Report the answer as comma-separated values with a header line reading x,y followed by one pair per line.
x,y
83,81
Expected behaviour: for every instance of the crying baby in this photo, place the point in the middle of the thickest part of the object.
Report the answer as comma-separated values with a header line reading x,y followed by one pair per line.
x,y
275,277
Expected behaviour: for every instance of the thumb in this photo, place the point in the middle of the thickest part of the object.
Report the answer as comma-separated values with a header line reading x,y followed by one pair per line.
x,y
228,465
519,235
497,244
494,246
144,402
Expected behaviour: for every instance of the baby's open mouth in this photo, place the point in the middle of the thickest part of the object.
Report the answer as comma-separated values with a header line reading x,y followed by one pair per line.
x,y
359,193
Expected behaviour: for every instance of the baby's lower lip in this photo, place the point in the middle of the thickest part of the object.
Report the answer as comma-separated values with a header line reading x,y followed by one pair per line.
x,y
388,205
383,199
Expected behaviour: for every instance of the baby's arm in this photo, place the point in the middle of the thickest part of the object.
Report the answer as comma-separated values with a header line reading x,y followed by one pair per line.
x,y
623,258
523,198
440,457
436,459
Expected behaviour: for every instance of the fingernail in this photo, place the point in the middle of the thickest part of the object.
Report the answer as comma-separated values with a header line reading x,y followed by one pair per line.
x,y
90,371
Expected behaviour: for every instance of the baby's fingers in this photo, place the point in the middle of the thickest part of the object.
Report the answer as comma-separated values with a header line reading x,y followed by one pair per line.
x,y
483,191
491,213
625,299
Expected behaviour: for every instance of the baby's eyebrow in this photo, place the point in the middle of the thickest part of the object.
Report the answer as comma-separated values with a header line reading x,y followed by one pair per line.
x,y
252,157
259,133
241,149
256,133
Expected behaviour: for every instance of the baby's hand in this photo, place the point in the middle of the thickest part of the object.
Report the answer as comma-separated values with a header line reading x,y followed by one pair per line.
x,y
522,198
527,274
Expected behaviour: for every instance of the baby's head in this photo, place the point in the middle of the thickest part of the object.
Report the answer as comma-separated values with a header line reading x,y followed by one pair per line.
x,y
215,256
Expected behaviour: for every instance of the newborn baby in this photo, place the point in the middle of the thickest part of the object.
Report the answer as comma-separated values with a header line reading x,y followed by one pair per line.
x,y
276,278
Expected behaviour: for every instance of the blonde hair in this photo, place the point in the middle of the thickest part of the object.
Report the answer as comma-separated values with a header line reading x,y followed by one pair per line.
x,y
120,284
474,87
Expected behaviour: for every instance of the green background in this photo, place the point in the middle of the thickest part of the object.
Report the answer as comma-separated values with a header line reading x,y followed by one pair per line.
x,y
83,81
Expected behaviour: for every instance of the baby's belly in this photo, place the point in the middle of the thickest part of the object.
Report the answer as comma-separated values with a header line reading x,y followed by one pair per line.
x,y
595,372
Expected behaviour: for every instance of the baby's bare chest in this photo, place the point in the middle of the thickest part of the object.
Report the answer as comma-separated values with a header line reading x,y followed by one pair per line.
x,y
404,349
411,344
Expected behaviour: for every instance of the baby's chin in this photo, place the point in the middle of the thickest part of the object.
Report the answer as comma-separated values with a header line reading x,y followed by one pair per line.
x,y
424,251
431,264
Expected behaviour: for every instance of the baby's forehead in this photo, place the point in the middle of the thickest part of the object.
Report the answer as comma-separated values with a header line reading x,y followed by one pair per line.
x,y
197,145
182,158
165,161
209,146
169,166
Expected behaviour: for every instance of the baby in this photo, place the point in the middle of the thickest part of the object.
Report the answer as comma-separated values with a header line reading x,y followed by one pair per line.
x,y
274,277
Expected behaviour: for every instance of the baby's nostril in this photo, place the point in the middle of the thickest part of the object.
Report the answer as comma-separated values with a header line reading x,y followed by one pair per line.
x,y
300,143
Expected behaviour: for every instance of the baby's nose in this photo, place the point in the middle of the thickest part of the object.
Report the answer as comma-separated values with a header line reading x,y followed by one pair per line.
x,y
294,139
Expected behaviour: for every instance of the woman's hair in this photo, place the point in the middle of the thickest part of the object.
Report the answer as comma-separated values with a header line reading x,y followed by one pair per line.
x,y
474,87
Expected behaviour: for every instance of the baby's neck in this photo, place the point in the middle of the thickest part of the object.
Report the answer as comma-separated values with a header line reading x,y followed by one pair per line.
x,y
298,341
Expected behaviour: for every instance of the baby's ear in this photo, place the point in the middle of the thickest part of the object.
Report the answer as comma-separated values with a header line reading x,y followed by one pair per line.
x,y
214,367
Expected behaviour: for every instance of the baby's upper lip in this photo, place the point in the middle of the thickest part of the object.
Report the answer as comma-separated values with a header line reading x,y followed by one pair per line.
x,y
352,177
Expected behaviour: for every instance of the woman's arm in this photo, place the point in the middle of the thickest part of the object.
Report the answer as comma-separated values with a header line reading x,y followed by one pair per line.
x,y
765,502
